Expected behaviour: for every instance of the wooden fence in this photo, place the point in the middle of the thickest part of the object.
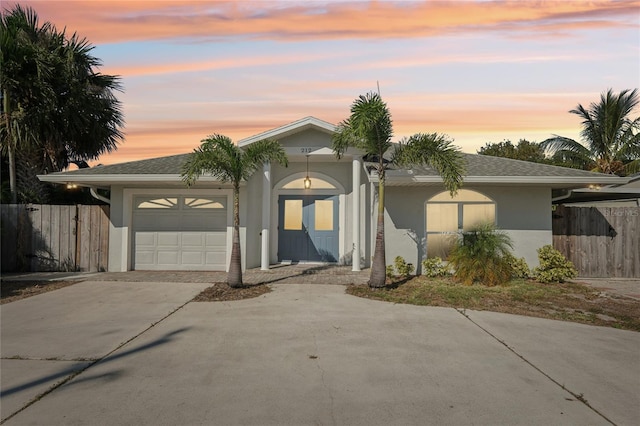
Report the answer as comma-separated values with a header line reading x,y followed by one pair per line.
x,y
601,242
54,238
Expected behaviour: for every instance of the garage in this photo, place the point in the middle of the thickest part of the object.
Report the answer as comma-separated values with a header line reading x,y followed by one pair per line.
x,y
179,232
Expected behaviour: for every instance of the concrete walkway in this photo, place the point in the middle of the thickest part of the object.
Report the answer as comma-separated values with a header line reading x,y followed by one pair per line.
x,y
139,353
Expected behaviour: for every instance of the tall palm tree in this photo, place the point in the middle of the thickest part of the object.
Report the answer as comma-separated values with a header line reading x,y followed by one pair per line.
x,y
87,120
611,137
54,100
220,157
369,128
24,70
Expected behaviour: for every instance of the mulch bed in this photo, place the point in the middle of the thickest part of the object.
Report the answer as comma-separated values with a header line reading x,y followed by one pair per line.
x,y
10,291
221,292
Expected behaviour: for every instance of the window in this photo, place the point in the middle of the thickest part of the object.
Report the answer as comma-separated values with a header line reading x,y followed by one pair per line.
x,y
157,203
293,215
446,216
204,203
316,183
324,215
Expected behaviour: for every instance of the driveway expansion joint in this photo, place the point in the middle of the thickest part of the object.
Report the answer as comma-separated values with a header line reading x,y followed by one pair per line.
x,y
26,358
324,384
578,396
93,361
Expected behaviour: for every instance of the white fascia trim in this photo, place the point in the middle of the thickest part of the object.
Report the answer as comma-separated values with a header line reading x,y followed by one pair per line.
x,y
606,190
289,129
119,178
399,180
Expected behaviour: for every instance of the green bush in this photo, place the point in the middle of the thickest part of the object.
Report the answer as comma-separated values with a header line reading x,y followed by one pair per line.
x,y
403,268
389,271
554,267
481,255
519,267
433,267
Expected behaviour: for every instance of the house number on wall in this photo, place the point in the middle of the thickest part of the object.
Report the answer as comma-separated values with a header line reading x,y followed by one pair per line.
x,y
307,150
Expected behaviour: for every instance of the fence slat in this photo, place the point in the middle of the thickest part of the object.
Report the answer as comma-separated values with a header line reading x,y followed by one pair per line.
x,y
600,241
9,230
43,237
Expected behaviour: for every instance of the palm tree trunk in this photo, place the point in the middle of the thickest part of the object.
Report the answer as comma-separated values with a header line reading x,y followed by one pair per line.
x,y
234,276
378,275
10,148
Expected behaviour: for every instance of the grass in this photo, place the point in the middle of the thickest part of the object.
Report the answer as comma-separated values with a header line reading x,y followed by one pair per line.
x,y
567,301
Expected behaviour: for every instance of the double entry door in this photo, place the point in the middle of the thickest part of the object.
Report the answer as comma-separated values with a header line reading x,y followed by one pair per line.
x,y
308,228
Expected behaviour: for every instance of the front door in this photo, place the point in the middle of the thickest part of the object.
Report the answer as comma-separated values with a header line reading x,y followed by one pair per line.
x,y
308,228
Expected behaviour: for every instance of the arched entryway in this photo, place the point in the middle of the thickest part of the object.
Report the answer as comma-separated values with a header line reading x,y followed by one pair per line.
x,y
309,221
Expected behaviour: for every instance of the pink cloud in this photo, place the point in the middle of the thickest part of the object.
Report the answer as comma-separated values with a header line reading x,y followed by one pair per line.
x,y
116,21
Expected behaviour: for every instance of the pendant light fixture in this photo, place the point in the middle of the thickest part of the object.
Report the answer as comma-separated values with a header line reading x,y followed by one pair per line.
x,y
307,180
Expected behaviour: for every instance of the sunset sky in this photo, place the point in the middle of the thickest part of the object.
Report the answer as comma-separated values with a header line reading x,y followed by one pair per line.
x,y
479,71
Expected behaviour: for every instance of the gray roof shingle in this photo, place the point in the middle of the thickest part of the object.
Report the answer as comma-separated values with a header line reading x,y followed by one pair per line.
x,y
171,165
485,165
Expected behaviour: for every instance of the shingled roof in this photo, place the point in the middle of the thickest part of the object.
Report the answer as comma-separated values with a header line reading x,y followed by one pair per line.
x,y
171,165
485,165
480,169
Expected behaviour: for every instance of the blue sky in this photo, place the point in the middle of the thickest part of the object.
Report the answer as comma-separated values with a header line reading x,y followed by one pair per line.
x,y
479,71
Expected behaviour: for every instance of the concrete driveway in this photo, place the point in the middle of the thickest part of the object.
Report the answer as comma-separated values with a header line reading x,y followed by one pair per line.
x,y
303,354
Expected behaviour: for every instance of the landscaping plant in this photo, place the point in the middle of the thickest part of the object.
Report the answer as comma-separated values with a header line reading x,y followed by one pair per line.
x,y
369,129
481,255
519,267
403,268
554,267
219,157
433,267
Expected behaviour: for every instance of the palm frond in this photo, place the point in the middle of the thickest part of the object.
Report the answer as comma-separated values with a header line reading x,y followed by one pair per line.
x,y
436,151
260,152
214,156
368,128
609,134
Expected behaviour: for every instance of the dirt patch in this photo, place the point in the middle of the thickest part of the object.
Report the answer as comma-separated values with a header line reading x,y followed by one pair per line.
x,y
567,301
221,292
10,291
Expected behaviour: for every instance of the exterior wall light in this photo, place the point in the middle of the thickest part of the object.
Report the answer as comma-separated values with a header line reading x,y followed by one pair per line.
x,y
307,180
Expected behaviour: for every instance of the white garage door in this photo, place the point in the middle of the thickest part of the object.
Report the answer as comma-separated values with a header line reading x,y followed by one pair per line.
x,y
179,233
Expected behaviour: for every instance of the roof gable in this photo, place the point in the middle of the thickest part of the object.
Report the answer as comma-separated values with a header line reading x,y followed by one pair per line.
x,y
290,129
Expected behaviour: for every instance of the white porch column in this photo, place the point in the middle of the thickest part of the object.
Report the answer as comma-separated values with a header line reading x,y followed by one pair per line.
x,y
266,215
357,167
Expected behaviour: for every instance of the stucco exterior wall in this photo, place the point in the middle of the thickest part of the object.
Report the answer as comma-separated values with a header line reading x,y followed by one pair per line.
x,y
310,137
118,234
522,212
251,219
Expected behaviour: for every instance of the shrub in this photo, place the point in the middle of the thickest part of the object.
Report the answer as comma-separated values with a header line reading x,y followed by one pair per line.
x,y
403,268
389,271
519,267
481,255
554,267
433,267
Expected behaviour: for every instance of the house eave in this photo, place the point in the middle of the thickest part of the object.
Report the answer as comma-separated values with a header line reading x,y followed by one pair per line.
x,y
406,179
289,129
105,181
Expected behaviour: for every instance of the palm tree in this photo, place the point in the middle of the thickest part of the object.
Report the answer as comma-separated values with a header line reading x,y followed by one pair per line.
x,y
220,157
611,141
56,107
87,120
369,128
25,68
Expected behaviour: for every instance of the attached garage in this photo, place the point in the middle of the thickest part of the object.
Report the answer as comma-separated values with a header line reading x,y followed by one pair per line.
x,y
179,232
